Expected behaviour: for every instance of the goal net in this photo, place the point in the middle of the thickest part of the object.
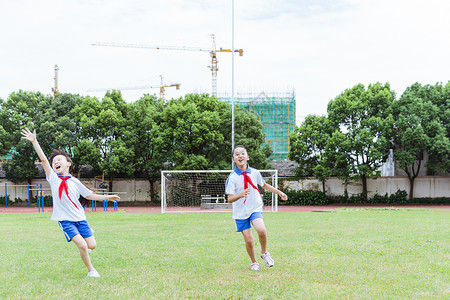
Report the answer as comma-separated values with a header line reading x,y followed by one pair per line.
x,y
205,190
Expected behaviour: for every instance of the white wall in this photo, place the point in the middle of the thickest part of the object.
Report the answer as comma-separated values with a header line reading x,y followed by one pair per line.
x,y
128,189
139,189
426,186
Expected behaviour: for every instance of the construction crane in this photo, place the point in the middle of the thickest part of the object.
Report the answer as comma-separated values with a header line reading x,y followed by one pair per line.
x,y
213,52
161,87
55,89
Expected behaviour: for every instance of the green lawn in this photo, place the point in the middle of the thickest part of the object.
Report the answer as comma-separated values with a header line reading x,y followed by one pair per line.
x,y
318,255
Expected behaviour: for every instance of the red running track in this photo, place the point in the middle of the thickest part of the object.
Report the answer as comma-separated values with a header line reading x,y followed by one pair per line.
x,y
281,208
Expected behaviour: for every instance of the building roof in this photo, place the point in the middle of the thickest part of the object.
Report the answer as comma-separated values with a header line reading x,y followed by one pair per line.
x,y
285,168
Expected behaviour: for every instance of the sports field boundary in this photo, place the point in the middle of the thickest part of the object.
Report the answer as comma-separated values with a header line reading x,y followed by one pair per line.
x,y
299,208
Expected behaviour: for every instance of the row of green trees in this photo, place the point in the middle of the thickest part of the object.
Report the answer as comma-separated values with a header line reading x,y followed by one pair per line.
x,y
362,124
120,138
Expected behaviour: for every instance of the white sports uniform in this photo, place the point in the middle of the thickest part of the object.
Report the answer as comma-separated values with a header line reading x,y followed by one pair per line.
x,y
235,185
64,209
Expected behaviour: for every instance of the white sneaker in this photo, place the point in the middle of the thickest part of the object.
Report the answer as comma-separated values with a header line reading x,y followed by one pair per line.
x,y
267,259
254,266
93,273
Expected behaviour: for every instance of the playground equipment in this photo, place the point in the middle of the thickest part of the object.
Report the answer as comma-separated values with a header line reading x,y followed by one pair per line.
x,y
16,185
40,194
104,192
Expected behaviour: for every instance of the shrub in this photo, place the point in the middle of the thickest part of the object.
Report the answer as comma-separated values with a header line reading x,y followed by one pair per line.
x,y
319,198
399,197
48,200
305,198
427,200
341,199
377,198
358,198
9,202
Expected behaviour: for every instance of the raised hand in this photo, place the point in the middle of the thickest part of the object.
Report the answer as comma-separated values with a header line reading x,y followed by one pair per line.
x,y
28,135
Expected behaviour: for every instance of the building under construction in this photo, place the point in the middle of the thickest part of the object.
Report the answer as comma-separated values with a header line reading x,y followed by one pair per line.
x,y
277,114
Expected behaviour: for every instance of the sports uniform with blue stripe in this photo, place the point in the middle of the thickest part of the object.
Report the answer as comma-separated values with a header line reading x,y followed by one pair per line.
x,y
68,207
244,207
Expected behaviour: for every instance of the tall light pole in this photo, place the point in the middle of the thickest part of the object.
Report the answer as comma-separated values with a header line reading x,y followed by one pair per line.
x,y
232,81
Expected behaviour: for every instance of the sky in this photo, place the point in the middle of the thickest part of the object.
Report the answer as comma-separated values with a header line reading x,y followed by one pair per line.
x,y
317,48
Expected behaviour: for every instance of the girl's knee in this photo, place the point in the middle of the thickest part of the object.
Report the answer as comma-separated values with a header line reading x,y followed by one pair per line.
x,y
91,243
262,232
249,244
249,240
81,244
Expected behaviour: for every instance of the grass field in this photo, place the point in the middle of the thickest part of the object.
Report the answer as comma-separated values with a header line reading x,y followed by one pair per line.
x,y
362,254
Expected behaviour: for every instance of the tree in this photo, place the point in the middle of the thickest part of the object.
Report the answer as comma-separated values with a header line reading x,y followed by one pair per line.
x,y
57,125
5,141
418,129
192,127
103,126
438,157
5,138
50,117
307,148
144,136
336,156
364,118
198,131
22,109
21,167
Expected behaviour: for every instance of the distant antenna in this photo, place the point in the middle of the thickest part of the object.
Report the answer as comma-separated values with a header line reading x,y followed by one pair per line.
x,y
55,89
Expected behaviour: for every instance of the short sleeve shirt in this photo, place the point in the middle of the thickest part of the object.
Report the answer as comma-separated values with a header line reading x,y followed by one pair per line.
x,y
64,209
243,208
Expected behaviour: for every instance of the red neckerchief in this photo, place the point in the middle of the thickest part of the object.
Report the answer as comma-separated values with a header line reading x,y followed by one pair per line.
x,y
63,186
248,180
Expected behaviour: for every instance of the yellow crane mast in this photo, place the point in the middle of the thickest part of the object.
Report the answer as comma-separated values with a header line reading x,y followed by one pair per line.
x,y
213,52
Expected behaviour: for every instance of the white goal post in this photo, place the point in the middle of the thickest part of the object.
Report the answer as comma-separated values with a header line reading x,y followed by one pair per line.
x,y
199,190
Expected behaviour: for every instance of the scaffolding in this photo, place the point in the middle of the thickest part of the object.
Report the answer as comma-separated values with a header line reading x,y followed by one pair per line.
x,y
277,114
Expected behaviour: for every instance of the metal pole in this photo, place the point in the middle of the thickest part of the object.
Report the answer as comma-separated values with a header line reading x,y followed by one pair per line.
x,y
38,200
163,193
232,81
29,196
276,185
42,197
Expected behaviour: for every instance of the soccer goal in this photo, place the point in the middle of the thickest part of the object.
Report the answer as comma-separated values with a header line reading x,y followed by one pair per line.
x,y
205,190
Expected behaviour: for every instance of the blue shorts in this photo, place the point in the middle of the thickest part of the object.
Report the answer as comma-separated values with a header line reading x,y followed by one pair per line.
x,y
243,224
71,229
